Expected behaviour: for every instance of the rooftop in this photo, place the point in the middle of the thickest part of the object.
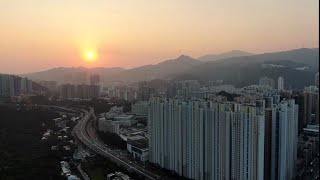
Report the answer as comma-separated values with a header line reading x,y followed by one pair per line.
x,y
125,116
138,141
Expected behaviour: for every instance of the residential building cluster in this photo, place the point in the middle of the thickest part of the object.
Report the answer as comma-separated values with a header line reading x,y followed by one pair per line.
x,y
145,90
11,85
112,120
81,91
184,89
94,79
308,101
206,139
200,135
51,85
122,92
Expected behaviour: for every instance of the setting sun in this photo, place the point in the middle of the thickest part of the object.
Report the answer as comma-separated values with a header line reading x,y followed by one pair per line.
x,y
89,56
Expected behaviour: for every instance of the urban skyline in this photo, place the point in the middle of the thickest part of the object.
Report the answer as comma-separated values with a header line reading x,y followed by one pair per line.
x,y
223,140
198,130
159,90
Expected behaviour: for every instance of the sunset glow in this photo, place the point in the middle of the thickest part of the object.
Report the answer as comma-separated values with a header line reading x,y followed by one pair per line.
x,y
170,89
131,34
90,56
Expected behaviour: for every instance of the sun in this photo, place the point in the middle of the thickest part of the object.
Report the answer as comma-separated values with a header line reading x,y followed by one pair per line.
x,y
90,56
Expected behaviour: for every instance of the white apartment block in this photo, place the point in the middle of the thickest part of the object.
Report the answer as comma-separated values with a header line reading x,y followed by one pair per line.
x,y
207,140
284,140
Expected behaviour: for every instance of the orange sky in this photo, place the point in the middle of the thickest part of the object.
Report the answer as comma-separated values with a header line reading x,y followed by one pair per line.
x,y
38,35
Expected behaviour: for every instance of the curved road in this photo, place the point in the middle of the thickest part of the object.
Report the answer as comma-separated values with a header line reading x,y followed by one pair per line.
x,y
98,147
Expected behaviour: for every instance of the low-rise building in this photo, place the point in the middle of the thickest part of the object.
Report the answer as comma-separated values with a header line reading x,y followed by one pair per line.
x,y
125,119
112,120
108,126
113,125
137,146
108,115
65,167
118,176
116,109
311,130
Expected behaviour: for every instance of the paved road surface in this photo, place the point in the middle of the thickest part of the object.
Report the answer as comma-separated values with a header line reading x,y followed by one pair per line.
x,y
98,147
81,131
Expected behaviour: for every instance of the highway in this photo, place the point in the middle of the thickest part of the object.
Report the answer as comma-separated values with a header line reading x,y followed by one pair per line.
x,y
88,137
90,141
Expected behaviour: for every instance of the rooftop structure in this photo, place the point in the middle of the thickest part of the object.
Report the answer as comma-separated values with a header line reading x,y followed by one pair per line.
x,y
124,117
118,176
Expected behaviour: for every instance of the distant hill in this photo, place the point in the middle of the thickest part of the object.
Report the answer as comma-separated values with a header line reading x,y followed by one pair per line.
x,y
306,56
233,53
297,66
73,74
147,72
246,70
158,71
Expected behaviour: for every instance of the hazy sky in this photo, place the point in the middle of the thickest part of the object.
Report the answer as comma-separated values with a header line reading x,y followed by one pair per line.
x,y
41,34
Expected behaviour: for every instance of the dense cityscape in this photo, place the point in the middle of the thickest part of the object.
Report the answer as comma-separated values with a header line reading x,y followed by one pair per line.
x,y
159,90
192,129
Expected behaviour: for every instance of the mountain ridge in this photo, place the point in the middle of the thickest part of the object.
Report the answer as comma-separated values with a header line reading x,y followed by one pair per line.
x,y
69,74
246,70
229,54
185,66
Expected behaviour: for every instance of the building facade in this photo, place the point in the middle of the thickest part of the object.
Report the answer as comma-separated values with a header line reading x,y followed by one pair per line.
x,y
284,140
207,140
317,79
11,85
137,147
280,83
67,91
140,108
